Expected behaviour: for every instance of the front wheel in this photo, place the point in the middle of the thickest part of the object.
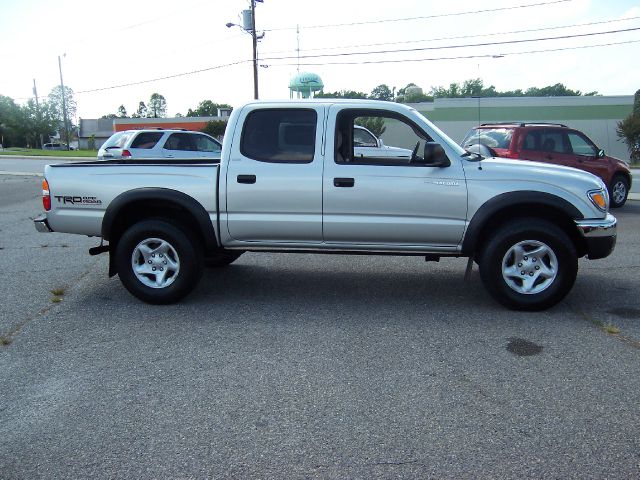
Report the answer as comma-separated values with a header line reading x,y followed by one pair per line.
x,y
530,264
158,262
618,191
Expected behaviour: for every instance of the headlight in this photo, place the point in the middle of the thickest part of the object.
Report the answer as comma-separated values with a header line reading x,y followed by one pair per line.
x,y
600,198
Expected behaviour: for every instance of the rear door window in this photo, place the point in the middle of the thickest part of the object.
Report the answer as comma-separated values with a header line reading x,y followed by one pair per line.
x,y
553,141
146,140
180,141
279,135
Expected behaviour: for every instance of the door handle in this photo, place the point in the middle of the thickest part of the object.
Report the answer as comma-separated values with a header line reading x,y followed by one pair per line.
x,y
343,182
246,179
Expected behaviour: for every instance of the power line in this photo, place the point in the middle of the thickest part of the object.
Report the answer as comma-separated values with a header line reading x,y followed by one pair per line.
x,y
462,57
446,47
363,62
457,37
423,17
167,77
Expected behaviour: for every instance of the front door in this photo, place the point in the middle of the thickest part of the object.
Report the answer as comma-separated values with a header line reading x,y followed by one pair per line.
x,y
390,202
274,176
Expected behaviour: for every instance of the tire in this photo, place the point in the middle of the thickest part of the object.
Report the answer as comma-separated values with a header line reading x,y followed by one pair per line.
x,y
222,258
529,264
618,191
153,246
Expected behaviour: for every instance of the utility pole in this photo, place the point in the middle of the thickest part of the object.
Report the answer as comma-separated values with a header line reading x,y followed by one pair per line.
x,y
64,104
255,49
35,93
249,26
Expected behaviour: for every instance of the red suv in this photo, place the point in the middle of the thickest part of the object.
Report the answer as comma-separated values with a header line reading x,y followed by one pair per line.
x,y
551,143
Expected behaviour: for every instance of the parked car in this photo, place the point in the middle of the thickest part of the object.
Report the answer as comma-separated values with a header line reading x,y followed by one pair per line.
x,y
56,146
159,143
366,144
552,143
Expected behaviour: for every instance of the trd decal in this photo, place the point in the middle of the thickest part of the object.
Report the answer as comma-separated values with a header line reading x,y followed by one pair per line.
x,y
77,200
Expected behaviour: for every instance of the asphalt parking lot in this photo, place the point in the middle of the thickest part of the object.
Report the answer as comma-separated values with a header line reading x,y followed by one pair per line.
x,y
297,366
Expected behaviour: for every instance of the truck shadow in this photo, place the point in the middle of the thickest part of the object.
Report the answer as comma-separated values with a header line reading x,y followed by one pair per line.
x,y
343,283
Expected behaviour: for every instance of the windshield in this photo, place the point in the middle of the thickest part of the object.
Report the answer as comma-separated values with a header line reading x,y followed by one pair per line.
x,y
490,137
117,140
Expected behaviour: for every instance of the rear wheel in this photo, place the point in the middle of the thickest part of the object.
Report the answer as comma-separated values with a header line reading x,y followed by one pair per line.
x,y
158,262
530,264
618,191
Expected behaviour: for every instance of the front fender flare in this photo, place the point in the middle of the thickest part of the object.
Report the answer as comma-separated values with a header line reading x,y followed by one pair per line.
x,y
508,201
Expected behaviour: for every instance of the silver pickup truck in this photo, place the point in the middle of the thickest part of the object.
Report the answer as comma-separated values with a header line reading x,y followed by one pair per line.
x,y
290,179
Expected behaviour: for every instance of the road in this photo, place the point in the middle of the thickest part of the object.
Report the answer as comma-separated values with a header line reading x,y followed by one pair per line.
x,y
299,366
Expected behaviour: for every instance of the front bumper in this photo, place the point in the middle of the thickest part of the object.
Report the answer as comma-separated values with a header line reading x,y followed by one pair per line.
x,y
600,236
42,225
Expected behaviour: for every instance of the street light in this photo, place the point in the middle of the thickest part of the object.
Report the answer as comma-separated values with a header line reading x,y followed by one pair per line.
x,y
254,37
64,103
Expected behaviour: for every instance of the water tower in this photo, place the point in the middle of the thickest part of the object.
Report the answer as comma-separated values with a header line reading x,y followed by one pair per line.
x,y
305,84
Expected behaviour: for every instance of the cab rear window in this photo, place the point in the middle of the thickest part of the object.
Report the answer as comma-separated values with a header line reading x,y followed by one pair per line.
x,y
280,135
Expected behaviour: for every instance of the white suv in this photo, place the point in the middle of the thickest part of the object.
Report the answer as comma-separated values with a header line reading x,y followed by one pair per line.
x,y
159,143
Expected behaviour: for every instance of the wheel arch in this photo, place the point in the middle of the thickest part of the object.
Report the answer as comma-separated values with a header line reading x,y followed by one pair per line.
x,y
523,204
144,203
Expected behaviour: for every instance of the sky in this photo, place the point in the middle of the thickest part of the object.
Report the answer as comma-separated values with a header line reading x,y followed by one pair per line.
x,y
104,45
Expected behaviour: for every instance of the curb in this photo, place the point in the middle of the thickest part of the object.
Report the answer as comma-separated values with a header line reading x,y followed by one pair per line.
x,y
49,157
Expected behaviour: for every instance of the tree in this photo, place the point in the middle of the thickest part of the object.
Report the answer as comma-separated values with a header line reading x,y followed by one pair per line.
x,y
412,94
141,112
374,124
157,106
40,121
341,94
629,130
11,134
557,90
382,92
215,128
122,112
109,115
207,108
61,101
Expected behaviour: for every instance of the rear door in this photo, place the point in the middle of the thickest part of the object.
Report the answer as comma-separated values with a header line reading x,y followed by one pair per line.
x,y
180,145
274,176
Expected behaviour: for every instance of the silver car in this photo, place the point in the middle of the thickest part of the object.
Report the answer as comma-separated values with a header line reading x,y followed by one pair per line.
x,y
366,144
160,143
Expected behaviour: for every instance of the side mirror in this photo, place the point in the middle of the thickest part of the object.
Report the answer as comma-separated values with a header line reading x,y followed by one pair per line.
x,y
601,153
434,155
380,143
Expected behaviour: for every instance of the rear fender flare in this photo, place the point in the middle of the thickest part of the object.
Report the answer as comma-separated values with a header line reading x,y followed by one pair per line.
x,y
180,199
